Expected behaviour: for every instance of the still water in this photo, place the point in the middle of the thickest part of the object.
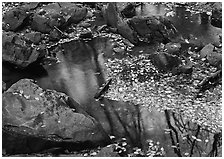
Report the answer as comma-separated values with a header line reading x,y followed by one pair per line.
x,y
81,72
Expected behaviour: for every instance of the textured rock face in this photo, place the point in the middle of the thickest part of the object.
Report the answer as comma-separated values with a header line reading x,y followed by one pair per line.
x,y
113,19
57,15
43,116
17,48
154,29
216,18
213,57
14,18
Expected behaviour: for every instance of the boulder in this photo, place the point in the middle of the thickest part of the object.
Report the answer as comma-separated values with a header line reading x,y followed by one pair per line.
x,y
73,13
46,18
107,152
207,50
164,61
57,15
216,18
215,59
113,18
153,28
129,10
14,19
34,37
32,116
18,50
125,30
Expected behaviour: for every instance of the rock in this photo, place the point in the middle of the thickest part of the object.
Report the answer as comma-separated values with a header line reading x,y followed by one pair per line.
x,y
107,152
110,14
18,50
113,19
14,19
208,49
216,18
73,13
164,61
57,15
34,37
140,26
210,81
31,5
129,10
153,28
47,17
183,69
126,31
215,59
173,48
42,118
54,35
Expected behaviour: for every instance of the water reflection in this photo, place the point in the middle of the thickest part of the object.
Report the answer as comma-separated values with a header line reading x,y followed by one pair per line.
x,y
194,26
179,136
77,76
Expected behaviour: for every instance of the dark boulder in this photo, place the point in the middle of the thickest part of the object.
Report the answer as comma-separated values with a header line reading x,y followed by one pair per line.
x,y
18,50
57,15
216,18
129,10
154,29
112,16
14,19
73,13
34,119
47,17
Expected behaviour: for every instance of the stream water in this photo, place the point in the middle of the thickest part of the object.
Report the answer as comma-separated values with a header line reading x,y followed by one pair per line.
x,y
78,75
